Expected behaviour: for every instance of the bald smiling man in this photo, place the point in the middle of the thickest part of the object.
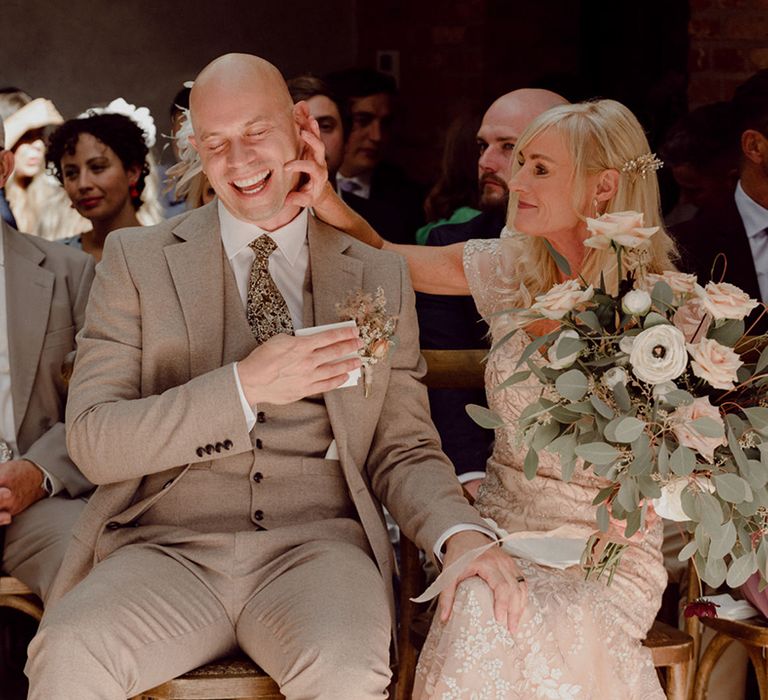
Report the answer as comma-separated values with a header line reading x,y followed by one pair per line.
x,y
239,489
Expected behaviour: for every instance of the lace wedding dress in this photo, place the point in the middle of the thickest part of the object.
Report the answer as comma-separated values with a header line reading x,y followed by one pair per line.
x,y
576,639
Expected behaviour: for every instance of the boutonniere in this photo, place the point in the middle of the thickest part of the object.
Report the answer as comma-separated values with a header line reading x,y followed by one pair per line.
x,y
376,326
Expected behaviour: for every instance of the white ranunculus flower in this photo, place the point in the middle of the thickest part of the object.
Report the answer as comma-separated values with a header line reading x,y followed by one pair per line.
x,y
614,376
637,302
658,354
556,362
660,391
669,506
623,228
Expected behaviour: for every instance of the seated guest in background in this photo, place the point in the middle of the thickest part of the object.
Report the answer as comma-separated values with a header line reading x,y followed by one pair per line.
x,y
35,199
102,162
43,292
324,108
452,322
454,197
240,489
702,153
186,177
172,202
379,191
729,239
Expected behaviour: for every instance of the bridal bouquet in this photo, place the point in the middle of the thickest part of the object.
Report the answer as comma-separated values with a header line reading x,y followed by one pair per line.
x,y
658,390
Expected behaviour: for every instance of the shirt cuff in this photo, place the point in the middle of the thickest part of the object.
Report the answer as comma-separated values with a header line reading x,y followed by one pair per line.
x,y
461,527
470,476
51,484
250,416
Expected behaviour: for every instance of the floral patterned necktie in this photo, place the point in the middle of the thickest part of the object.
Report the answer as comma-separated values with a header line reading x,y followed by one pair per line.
x,y
266,310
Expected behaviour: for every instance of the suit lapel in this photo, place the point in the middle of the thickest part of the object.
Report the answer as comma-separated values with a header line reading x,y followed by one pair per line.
x,y
196,264
28,293
334,275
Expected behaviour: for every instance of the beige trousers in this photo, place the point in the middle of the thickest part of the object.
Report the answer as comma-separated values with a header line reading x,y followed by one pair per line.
x,y
36,540
314,617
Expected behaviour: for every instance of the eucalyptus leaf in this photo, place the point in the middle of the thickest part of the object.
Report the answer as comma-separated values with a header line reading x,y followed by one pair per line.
x,y
625,429
520,376
603,518
602,495
654,319
544,435
756,473
634,520
560,260
762,361
567,467
724,541
535,345
565,446
728,333
702,539
758,418
583,407
503,340
662,459
589,319
649,488
732,488
562,415
484,417
629,495
572,385
597,452
737,452
621,395
711,513
708,427
569,346
690,503
662,296
682,461
688,551
530,464
601,407
714,572
741,569
678,397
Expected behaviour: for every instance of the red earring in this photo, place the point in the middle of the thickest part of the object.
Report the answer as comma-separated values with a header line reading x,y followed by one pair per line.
x,y
134,191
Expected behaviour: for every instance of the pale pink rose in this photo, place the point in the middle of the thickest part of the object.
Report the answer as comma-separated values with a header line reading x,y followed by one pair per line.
x,y
561,299
680,282
692,319
624,228
716,364
724,300
380,348
687,436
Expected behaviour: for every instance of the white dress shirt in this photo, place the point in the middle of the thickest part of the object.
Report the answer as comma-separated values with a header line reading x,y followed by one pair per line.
x,y
359,185
755,220
288,266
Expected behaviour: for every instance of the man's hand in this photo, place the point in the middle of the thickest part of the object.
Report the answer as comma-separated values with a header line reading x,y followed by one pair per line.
x,y
286,368
21,485
496,568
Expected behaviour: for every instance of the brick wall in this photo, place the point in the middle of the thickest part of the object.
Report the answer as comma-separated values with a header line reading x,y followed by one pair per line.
x,y
728,43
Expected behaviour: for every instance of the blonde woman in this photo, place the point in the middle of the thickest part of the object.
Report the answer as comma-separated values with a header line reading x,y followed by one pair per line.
x,y
562,636
38,204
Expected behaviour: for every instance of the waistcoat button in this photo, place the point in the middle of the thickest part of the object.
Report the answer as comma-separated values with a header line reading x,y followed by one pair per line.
x,y
199,451
257,477
258,515
113,525
260,417
259,444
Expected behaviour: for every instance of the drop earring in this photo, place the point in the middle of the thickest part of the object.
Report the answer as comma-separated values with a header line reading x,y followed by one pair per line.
x,y
133,191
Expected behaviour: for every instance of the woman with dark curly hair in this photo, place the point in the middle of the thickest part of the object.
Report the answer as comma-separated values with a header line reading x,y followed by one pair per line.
x,y
102,162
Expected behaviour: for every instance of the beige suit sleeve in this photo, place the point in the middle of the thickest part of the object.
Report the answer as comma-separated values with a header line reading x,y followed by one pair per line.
x,y
409,472
49,451
114,433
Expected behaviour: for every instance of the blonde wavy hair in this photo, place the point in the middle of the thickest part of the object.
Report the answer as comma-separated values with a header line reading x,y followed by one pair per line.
x,y
600,135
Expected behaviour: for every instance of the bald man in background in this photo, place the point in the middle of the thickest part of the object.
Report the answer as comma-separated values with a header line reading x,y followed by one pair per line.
x,y
239,489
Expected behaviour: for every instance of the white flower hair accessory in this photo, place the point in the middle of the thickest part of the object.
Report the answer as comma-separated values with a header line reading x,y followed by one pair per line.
x,y
139,115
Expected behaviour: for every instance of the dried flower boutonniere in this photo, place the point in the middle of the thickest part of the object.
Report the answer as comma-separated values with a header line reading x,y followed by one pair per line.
x,y
376,326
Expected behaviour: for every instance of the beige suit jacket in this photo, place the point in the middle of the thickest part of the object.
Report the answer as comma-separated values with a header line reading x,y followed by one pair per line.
x,y
149,387
46,291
